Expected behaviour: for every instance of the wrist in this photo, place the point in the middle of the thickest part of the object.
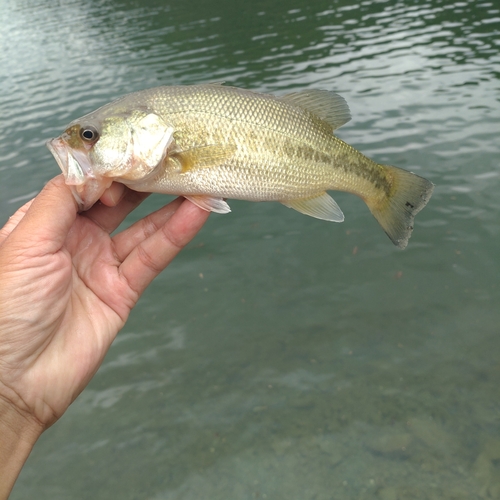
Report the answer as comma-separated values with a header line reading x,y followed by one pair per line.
x,y
18,433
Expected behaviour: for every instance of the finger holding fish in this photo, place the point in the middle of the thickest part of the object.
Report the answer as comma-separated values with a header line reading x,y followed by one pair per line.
x,y
146,249
113,195
125,241
13,221
108,216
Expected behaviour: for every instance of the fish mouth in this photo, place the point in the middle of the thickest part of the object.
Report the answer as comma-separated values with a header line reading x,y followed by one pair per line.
x,y
78,174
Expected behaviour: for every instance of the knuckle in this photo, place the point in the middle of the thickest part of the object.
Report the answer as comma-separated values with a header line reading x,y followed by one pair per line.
x,y
149,227
175,239
148,260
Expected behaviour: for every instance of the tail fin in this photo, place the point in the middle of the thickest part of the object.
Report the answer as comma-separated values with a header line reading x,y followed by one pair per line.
x,y
409,194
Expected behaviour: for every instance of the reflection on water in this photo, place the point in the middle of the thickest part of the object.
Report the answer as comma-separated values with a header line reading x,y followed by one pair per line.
x,y
280,356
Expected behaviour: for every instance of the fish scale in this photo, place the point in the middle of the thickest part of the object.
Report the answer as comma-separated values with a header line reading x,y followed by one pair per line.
x,y
212,142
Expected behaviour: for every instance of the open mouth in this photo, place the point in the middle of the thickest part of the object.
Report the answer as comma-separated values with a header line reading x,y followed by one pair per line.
x,y
86,188
71,168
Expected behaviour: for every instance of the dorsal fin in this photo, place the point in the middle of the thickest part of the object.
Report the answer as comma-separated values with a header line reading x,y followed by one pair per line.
x,y
326,105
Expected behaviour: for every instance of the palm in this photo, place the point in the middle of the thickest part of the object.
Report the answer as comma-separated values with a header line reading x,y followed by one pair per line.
x,y
71,294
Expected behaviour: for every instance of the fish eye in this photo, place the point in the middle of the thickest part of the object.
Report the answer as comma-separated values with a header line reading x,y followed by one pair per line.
x,y
89,133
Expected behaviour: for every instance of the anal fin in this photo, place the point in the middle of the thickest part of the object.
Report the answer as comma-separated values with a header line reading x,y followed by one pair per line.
x,y
321,207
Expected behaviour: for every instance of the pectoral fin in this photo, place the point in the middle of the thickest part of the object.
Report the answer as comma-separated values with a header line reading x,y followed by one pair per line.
x,y
210,204
322,207
203,157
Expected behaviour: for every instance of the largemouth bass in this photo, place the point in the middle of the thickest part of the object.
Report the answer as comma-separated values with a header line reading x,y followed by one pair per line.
x,y
212,142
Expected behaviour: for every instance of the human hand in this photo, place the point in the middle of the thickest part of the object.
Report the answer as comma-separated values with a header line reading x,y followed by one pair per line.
x,y
67,288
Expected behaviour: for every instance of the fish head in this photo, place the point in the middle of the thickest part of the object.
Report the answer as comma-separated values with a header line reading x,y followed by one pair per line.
x,y
110,145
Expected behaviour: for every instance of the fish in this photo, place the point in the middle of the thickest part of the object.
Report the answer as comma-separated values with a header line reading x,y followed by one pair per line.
x,y
212,142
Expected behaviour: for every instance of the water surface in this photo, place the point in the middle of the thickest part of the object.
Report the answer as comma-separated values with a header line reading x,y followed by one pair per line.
x,y
279,356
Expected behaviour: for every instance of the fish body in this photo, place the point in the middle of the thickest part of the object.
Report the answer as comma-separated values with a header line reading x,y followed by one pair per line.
x,y
212,142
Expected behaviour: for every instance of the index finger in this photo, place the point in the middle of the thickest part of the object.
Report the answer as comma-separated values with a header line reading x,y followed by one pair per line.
x,y
150,257
108,217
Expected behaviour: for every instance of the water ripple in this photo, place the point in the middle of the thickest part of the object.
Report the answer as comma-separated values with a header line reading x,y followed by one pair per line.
x,y
249,352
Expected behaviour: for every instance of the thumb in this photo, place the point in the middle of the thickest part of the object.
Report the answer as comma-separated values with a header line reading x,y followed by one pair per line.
x,y
48,219
13,221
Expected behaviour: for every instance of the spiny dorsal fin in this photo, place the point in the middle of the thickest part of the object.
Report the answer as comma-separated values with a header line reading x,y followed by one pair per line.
x,y
322,207
327,105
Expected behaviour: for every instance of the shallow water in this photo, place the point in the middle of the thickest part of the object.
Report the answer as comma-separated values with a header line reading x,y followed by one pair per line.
x,y
279,356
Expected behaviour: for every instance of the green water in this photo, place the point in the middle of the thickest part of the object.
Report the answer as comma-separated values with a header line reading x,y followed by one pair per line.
x,y
279,356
